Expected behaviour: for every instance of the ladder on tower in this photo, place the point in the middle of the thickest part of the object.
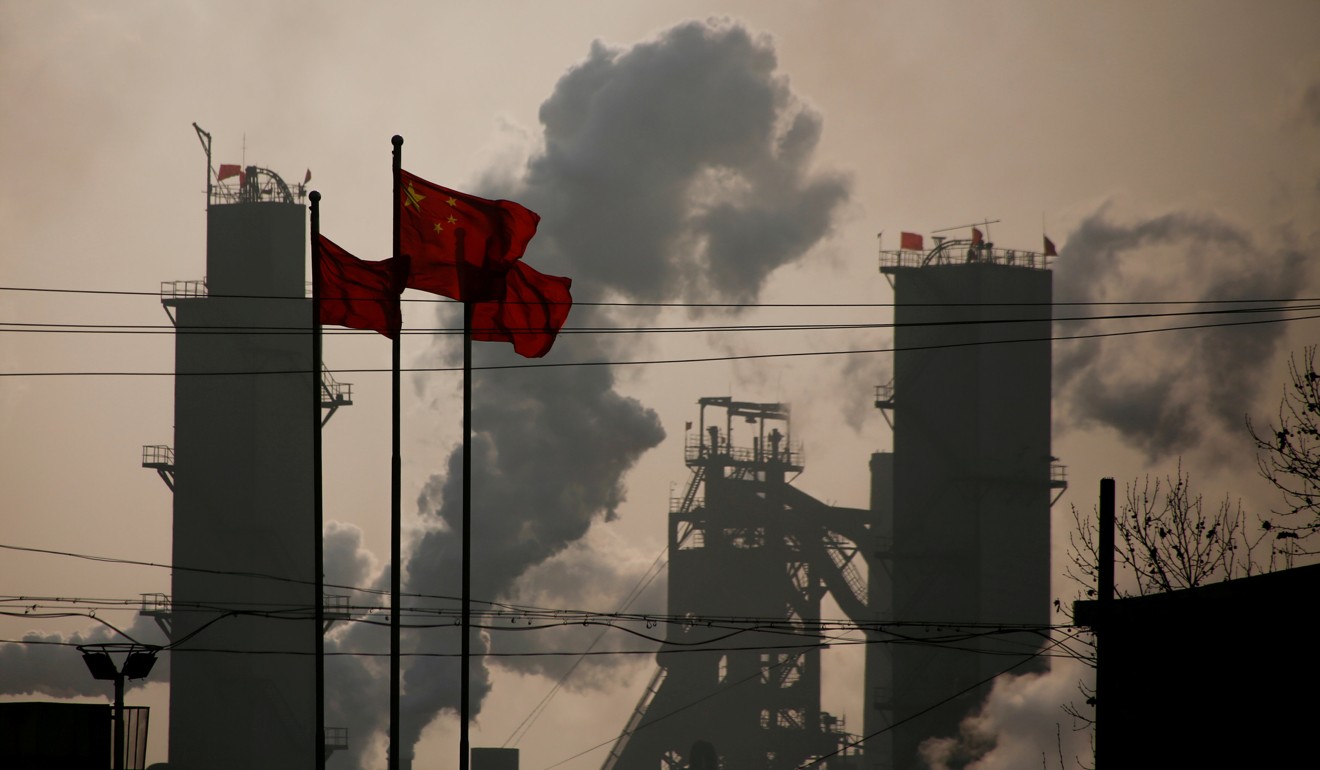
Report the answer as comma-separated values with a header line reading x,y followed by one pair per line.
x,y
694,483
635,721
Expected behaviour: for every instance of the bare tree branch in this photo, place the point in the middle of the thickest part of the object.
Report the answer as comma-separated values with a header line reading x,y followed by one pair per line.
x,y
1288,455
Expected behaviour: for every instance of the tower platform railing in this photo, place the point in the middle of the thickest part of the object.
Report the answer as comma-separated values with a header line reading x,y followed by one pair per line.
x,y
961,253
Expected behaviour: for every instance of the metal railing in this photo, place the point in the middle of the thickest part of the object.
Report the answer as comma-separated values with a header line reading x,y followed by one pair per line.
x,y
679,504
335,605
155,603
183,289
956,254
792,455
157,456
336,738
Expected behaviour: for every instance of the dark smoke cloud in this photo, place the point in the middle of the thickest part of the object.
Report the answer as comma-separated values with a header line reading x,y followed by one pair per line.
x,y
678,168
347,563
583,576
46,665
549,451
357,687
1311,105
1166,393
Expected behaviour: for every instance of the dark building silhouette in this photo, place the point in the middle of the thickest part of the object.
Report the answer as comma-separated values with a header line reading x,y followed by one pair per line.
x,y
961,528
1221,675
242,675
957,534
751,546
55,736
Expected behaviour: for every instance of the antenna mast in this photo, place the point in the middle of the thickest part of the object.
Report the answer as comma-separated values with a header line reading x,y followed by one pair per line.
x,y
205,138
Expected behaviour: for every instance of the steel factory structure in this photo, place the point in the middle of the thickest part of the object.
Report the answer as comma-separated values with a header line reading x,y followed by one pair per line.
x,y
956,536
956,540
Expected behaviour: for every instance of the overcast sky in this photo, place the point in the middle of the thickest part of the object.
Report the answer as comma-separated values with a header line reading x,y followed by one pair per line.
x,y
680,151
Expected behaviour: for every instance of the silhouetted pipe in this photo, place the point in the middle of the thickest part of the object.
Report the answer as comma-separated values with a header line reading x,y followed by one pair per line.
x,y
1104,593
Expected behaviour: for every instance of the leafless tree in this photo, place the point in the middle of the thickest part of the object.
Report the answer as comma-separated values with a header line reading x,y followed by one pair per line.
x,y
1288,454
1167,538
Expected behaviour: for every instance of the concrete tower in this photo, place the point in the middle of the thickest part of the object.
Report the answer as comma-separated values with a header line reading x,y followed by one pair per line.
x,y
241,685
962,506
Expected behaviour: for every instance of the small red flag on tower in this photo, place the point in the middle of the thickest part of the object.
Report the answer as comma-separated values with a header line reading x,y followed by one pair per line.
x,y
1049,247
977,237
911,242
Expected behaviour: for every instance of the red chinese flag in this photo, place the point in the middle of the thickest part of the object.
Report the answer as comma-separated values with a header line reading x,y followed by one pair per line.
x,y
911,242
533,310
977,238
1049,248
228,169
495,235
359,294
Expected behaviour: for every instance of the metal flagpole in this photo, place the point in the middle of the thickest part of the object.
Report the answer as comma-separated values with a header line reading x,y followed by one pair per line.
x,y
465,676
396,556
318,511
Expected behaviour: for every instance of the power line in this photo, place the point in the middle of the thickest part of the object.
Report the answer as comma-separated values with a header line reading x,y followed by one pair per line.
x,y
642,584
11,327
913,716
586,303
546,618
670,361
28,641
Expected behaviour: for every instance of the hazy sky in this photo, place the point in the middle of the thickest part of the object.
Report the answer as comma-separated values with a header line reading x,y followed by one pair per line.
x,y
676,150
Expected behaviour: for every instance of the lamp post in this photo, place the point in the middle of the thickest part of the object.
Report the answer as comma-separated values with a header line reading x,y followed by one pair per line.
x,y
137,664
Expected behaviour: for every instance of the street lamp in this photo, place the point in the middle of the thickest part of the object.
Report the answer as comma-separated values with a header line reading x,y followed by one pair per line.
x,y
137,664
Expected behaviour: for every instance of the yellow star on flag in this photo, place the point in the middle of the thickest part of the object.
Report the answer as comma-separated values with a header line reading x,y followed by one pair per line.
x,y
439,228
452,219
413,198
452,201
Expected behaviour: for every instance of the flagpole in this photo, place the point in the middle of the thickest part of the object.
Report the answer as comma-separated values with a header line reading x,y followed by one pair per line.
x,y
465,675
318,512
396,492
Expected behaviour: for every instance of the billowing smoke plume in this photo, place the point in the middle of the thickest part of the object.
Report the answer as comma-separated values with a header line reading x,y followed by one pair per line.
x,y
1166,393
678,168
46,664
1021,724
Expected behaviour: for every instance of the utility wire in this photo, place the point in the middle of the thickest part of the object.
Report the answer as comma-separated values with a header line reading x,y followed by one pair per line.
x,y
642,584
557,618
11,327
818,645
586,303
666,361
913,716
645,724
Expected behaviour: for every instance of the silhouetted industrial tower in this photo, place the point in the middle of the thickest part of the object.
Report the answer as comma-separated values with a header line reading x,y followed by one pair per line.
x,y
962,505
753,546
243,594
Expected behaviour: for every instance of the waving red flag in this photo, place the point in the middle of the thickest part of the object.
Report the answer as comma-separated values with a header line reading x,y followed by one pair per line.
x,y
494,236
356,293
1050,251
911,242
530,315
977,237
